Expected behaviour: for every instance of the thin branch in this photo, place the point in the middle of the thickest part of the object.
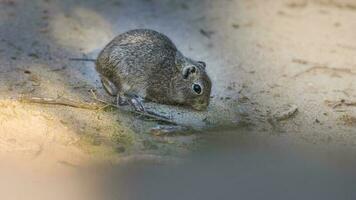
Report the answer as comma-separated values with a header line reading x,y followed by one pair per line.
x,y
326,68
342,102
59,101
90,106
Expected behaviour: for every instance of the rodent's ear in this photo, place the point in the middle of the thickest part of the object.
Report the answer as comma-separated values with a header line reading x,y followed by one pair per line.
x,y
201,63
186,71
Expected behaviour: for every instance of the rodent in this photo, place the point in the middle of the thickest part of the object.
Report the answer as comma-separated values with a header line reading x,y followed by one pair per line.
x,y
145,63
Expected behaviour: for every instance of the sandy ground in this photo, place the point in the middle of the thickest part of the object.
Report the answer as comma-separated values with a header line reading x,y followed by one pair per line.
x,y
262,56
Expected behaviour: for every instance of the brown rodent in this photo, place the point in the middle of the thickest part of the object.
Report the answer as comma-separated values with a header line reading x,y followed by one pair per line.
x,y
145,63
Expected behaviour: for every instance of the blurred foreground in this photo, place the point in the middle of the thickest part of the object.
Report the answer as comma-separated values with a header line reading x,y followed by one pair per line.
x,y
229,166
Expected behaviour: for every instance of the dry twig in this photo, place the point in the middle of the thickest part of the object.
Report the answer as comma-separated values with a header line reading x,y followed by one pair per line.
x,y
59,101
326,68
91,106
342,102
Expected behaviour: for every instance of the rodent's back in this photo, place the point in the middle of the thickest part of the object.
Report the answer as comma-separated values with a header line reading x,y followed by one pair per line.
x,y
136,58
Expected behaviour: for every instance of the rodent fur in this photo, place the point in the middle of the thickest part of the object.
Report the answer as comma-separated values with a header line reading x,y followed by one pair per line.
x,y
146,63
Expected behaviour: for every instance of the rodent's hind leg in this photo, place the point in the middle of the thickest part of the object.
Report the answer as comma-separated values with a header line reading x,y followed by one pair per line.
x,y
109,87
112,90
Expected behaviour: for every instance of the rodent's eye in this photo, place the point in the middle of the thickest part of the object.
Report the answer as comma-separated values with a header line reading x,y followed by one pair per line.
x,y
197,88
